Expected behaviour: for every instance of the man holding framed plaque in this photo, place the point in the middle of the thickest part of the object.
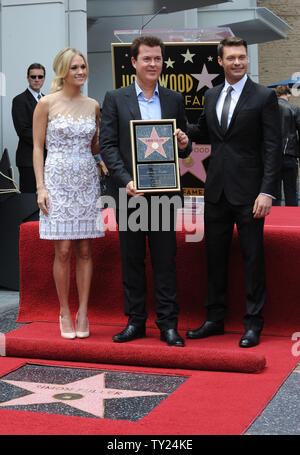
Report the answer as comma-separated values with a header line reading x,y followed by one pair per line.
x,y
141,136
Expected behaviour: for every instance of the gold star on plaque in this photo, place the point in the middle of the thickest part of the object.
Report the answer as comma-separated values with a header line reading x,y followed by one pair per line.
x,y
188,57
169,63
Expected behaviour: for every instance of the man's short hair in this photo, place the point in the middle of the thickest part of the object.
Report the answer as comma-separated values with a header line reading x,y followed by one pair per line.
x,y
147,40
231,41
281,90
36,66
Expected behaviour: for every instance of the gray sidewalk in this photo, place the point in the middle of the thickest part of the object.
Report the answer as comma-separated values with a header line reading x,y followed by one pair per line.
x,y
280,417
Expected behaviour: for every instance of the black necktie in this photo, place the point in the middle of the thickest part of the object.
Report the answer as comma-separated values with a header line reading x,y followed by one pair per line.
x,y
225,111
39,96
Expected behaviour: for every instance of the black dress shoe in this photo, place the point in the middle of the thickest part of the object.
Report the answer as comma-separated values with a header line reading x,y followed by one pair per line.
x,y
131,332
208,329
172,337
249,339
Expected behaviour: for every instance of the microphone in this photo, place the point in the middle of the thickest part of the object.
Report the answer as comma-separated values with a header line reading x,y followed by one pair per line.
x,y
163,8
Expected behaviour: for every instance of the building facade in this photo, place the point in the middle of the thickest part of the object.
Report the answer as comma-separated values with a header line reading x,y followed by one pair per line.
x,y
35,30
279,60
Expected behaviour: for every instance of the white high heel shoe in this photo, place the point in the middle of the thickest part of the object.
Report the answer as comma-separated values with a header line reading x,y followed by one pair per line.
x,y
67,335
80,334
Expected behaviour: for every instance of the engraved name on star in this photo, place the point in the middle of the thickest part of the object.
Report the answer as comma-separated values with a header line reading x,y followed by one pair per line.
x,y
204,78
188,57
87,394
154,143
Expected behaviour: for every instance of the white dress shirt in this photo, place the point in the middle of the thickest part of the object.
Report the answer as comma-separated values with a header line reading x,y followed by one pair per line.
x,y
235,95
34,93
150,108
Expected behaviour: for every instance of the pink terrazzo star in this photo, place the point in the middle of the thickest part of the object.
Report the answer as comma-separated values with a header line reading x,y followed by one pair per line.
x,y
194,162
154,143
87,394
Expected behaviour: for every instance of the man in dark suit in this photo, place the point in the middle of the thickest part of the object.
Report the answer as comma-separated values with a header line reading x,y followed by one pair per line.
x,y
146,100
241,122
23,106
290,130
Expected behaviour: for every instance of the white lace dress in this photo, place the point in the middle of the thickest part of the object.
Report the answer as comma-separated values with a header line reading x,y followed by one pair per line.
x,y
70,174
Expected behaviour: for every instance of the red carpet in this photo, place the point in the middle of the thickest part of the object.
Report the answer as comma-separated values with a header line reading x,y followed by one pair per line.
x,y
218,403
215,399
43,340
38,300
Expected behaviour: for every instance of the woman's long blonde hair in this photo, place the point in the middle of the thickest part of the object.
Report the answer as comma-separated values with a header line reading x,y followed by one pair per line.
x,y
61,66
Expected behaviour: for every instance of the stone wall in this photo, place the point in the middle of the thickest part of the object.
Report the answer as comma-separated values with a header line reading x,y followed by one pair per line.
x,y
279,59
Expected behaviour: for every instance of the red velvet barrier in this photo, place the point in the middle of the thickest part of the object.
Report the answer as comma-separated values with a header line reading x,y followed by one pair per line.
x,y
38,299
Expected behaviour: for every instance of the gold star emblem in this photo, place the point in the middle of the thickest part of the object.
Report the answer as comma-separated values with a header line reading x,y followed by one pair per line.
x,y
169,63
188,57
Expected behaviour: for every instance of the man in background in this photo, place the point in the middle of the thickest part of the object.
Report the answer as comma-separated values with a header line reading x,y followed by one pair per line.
x,y
290,129
23,106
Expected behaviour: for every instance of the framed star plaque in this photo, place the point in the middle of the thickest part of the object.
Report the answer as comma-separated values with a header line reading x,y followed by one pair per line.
x,y
154,155
190,68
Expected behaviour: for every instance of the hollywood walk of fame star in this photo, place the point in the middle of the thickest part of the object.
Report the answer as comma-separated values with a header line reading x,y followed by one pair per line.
x,y
88,394
194,163
204,79
188,57
169,63
154,143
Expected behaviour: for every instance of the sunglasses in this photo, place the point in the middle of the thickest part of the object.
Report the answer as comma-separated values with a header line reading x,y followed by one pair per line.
x,y
33,76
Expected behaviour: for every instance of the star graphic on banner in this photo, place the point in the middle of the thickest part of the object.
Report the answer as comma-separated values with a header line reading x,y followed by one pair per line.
x,y
87,394
169,63
154,143
188,57
194,162
210,58
204,79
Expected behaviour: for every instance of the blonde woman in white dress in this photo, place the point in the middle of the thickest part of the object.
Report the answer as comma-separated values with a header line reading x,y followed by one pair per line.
x,y
68,185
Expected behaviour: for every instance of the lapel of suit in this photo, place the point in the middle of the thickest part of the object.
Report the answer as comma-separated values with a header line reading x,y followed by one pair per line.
x,y
132,102
213,106
31,98
164,102
242,99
